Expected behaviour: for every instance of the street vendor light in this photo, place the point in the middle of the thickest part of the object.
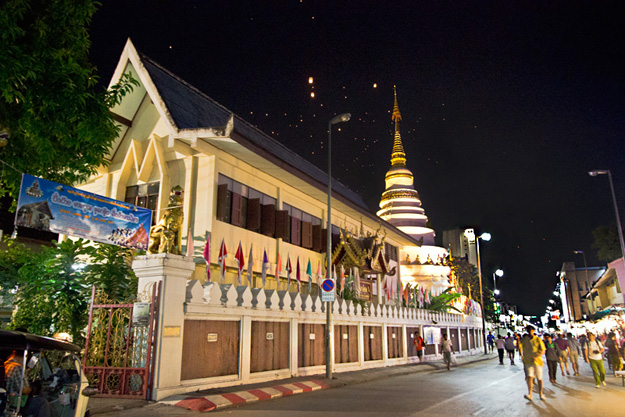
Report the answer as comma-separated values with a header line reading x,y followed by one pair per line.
x,y
338,119
486,237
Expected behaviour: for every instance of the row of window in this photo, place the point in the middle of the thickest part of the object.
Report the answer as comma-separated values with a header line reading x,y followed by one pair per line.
x,y
243,206
144,195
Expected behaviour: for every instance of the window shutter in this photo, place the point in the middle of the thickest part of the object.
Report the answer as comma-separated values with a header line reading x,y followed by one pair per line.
x,y
324,240
282,225
307,235
316,238
236,209
223,203
295,231
268,219
253,214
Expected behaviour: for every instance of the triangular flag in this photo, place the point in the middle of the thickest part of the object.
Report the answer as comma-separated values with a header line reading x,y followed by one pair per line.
x,y
221,260
309,273
298,275
240,261
190,248
207,256
356,282
427,296
278,269
289,269
342,278
250,268
319,277
265,268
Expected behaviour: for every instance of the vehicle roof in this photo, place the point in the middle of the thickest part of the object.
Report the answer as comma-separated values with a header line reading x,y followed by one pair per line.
x,y
10,339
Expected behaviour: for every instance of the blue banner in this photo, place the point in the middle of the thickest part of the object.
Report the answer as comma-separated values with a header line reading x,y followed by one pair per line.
x,y
58,208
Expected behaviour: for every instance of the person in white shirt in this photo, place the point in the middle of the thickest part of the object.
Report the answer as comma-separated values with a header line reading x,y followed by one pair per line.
x,y
500,343
447,349
594,353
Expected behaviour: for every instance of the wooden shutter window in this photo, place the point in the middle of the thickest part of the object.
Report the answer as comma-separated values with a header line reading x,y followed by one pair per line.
x,y
316,238
307,235
223,203
282,225
268,219
253,214
295,231
236,210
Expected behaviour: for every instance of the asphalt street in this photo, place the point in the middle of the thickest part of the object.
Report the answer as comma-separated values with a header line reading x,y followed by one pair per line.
x,y
476,389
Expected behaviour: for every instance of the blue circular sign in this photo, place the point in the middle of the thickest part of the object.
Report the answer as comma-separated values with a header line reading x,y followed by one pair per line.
x,y
327,285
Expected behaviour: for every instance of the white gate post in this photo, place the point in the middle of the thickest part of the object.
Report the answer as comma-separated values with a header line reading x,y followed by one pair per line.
x,y
172,271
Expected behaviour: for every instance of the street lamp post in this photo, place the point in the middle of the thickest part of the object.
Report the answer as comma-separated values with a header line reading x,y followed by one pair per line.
x,y
588,283
485,237
338,119
497,273
618,219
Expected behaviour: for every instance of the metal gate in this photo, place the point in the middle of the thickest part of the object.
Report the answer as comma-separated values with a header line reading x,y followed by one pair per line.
x,y
119,349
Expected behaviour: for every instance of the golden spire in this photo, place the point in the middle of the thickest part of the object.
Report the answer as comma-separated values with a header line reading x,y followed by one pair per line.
x,y
398,157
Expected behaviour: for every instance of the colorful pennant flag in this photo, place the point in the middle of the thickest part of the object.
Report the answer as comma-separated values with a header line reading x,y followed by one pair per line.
x,y
427,296
298,275
289,269
207,256
221,260
342,279
265,268
190,247
309,273
356,282
240,261
250,268
278,269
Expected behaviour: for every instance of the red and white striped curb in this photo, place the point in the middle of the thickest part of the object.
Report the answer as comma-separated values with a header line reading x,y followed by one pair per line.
x,y
215,402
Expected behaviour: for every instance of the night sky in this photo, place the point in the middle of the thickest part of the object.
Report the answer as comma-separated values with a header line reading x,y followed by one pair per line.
x,y
505,105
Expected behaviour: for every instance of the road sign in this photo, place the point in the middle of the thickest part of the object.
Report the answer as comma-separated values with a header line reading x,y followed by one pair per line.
x,y
327,290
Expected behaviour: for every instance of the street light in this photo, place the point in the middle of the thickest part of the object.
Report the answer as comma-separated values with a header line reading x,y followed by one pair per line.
x,y
618,219
338,119
588,283
497,273
485,237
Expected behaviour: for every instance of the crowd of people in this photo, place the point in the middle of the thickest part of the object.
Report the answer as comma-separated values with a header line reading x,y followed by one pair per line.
x,y
560,349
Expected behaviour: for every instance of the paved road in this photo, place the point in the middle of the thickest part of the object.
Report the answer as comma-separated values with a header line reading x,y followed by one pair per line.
x,y
477,389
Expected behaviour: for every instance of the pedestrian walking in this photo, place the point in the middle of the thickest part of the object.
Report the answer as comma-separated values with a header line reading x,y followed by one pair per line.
x,y
594,355
500,343
614,353
552,354
563,344
419,345
491,341
510,346
447,350
575,349
533,350
583,343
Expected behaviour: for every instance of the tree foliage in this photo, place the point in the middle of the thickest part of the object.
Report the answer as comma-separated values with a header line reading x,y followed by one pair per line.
x,y
468,280
52,288
58,118
443,301
606,242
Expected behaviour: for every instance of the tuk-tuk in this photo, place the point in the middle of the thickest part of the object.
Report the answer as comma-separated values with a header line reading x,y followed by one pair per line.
x,y
48,373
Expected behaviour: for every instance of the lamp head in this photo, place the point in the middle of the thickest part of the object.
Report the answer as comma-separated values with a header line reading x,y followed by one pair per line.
x,y
578,252
597,172
485,237
496,292
499,273
341,118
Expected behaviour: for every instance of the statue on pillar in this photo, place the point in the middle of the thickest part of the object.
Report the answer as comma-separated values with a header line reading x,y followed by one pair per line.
x,y
165,235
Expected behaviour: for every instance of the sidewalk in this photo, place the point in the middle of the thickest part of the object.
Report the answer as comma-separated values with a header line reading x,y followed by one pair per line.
x,y
219,398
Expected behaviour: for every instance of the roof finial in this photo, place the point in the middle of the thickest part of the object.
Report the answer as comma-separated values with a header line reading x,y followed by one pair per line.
x,y
396,113
398,157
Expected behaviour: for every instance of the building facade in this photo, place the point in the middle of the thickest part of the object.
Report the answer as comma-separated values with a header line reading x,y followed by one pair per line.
x,y
461,244
575,283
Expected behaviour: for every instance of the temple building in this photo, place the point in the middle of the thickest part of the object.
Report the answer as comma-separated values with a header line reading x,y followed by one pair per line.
x,y
424,264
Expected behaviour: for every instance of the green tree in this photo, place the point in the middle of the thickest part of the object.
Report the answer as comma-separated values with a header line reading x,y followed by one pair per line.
x,y
52,288
57,117
443,301
468,280
606,242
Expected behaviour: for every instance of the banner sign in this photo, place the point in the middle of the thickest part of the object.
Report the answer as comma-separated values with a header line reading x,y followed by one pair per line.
x,y
365,290
57,208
